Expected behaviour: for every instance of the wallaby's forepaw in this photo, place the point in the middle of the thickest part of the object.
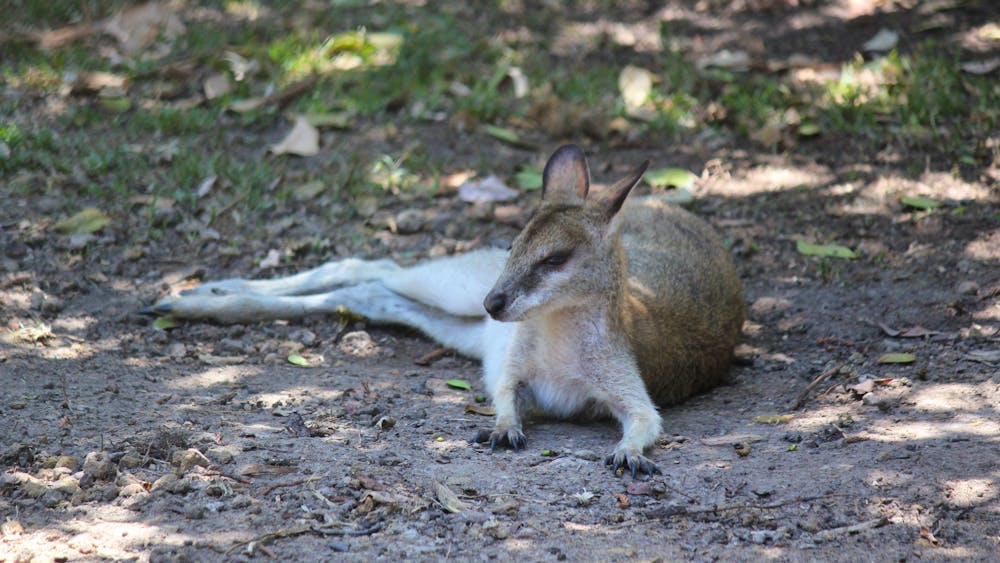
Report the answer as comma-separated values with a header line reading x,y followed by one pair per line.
x,y
505,437
636,463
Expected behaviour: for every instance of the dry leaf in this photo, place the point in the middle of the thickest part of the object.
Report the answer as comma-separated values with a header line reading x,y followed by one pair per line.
x,y
489,189
980,67
623,502
137,27
480,409
88,220
216,86
729,60
883,41
302,140
449,500
635,85
255,469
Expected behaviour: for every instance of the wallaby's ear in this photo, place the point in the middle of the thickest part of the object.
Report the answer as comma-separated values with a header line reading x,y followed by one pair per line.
x,y
566,177
613,198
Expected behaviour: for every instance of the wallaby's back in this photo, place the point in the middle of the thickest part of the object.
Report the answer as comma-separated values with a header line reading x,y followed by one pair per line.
x,y
685,308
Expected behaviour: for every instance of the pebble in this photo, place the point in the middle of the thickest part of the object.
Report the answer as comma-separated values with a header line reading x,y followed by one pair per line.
x,y
339,546
11,528
303,336
222,454
67,486
409,221
129,461
131,490
967,288
31,485
187,459
52,498
177,350
67,461
99,466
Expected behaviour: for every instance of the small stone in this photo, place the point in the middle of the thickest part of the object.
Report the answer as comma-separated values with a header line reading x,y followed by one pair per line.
x,y
177,350
164,482
31,485
99,466
409,221
186,459
129,461
67,461
340,546
967,288
194,512
52,498
131,490
67,486
222,455
11,528
358,343
303,336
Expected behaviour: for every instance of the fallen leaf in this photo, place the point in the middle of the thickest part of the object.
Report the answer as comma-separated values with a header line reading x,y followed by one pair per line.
x,y
89,220
882,41
206,186
529,179
988,356
302,140
216,86
247,105
824,250
926,534
920,202
308,191
449,500
165,323
519,80
508,136
623,501
480,409
980,67
729,60
296,359
458,384
337,120
255,469
768,134
137,27
636,85
643,488
773,418
670,178
272,259
809,129
896,358
489,189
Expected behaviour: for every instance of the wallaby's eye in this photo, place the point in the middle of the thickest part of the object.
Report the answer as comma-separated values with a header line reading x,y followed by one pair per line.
x,y
557,258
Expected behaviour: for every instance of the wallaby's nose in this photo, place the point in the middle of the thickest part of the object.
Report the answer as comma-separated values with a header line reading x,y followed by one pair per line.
x,y
495,303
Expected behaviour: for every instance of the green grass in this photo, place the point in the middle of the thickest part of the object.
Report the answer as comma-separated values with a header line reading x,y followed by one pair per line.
x,y
394,63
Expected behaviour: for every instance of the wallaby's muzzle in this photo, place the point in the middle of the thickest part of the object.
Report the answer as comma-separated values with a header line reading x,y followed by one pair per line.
x,y
495,303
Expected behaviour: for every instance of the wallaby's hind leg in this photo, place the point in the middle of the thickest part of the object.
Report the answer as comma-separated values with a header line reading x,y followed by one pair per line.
x,y
317,280
372,300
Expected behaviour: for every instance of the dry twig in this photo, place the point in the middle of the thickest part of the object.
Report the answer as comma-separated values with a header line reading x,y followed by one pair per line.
x,y
801,400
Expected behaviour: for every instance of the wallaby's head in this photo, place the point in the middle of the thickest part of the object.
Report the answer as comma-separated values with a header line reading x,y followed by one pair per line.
x,y
566,253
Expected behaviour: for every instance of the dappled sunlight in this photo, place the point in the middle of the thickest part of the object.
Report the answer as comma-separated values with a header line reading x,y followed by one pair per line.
x,y
880,478
961,426
985,247
970,492
300,393
216,376
768,178
952,397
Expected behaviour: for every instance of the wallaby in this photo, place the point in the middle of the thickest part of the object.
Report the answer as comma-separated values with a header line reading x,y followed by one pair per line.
x,y
603,306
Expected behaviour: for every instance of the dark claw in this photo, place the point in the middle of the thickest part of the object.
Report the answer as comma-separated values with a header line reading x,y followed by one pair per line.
x,y
157,309
512,438
493,443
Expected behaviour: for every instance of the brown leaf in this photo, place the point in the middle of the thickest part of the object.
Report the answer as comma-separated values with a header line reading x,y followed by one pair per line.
x,y
449,500
926,534
302,140
480,409
255,469
623,501
137,27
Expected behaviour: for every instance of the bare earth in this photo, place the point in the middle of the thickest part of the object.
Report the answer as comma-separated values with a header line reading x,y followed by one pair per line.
x,y
125,441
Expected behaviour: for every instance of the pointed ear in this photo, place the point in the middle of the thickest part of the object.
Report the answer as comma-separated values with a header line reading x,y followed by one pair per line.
x,y
613,198
566,178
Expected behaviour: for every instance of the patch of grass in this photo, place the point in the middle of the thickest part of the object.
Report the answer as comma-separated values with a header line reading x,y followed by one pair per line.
x,y
171,122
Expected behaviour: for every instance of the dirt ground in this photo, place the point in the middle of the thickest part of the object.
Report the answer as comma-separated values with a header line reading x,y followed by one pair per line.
x,y
125,441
